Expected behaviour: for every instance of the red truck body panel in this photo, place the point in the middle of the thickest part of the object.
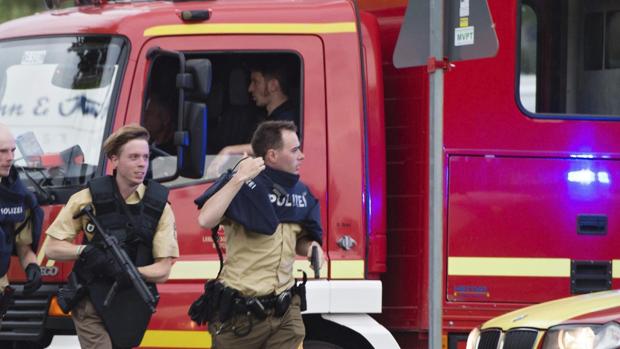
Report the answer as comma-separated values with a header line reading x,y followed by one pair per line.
x,y
514,183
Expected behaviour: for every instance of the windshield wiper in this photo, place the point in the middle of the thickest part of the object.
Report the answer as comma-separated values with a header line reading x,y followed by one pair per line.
x,y
44,196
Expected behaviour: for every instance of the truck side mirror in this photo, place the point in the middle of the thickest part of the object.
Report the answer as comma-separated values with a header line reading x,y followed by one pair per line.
x,y
191,159
201,72
193,135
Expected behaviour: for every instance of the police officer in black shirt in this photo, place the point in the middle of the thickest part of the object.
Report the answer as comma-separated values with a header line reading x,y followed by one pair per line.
x,y
20,222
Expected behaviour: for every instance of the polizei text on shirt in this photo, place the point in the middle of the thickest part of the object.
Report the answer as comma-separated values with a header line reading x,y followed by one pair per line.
x,y
289,200
11,210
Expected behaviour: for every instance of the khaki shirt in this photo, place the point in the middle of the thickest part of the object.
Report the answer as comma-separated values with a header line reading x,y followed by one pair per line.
x,y
23,238
66,228
258,264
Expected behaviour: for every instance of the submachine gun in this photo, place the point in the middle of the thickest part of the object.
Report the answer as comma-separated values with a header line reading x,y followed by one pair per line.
x,y
119,256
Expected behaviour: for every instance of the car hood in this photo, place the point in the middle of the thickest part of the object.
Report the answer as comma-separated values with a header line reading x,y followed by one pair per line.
x,y
593,308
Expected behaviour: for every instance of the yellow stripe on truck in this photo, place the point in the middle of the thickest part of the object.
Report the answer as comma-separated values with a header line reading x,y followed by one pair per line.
x,y
615,268
176,339
191,270
196,270
492,266
457,266
347,269
252,28
304,265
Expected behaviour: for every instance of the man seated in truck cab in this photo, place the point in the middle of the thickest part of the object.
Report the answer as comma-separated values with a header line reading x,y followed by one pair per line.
x,y
159,115
271,85
159,120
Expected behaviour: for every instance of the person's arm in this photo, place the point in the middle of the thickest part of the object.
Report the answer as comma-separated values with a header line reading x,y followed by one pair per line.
x,y
213,210
237,149
157,272
216,166
64,229
26,255
62,250
28,260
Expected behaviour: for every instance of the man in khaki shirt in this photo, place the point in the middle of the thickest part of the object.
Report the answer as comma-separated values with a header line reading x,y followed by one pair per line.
x,y
18,211
262,239
152,248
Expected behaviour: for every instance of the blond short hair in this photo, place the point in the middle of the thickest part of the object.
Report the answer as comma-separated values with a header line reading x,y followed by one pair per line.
x,y
115,142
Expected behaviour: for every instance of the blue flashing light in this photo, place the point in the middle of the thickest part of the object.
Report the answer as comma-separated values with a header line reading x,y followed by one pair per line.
x,y
582,156
587,177
603,177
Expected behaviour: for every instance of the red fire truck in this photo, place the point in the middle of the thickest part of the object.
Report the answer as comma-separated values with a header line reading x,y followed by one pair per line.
x,y
528,150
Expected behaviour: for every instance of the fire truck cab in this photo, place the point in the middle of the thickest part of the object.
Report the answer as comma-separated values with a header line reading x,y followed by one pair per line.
x,y
70,76
530,150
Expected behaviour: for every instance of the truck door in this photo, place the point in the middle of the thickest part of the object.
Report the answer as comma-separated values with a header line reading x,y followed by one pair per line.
x,y
232,116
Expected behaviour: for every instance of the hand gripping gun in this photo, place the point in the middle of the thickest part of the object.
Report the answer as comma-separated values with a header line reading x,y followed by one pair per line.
x,y
120,257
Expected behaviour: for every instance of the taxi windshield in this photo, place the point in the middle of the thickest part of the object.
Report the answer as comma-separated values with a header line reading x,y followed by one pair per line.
x,y
57,96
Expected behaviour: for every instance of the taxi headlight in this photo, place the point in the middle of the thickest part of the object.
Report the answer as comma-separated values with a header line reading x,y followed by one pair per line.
x,y
583,337
473,339
608,336
570,337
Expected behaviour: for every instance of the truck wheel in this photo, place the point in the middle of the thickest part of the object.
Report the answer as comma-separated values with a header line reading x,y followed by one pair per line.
x,y
312,344
44,342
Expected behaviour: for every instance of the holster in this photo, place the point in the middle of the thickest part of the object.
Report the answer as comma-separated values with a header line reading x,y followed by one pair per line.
x,y
226,305
282,303
69,295
204,308
300,289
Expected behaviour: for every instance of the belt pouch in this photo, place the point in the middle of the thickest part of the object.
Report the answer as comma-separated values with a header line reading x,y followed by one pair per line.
x,y
256,307
282,303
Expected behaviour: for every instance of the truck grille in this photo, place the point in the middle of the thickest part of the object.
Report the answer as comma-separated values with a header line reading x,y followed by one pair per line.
x,y
489,339
25,319
520,339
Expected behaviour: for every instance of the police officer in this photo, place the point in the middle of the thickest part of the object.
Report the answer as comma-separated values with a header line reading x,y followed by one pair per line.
x,y
268,216
20,221
138,215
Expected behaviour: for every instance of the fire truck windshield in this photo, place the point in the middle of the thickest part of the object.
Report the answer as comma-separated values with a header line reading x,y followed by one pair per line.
x,y
56,95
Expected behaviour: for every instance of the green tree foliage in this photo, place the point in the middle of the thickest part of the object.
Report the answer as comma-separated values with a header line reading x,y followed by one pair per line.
x,y
10,9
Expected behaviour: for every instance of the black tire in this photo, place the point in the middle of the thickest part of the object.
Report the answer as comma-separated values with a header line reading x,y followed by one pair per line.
x,y
313,344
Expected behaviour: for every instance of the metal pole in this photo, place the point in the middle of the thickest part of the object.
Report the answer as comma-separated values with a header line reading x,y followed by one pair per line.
x,y
435,239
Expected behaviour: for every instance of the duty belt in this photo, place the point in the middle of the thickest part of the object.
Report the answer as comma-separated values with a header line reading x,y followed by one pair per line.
x,y
271,300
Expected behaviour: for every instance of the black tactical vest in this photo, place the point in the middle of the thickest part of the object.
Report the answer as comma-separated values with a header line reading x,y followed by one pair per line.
x,y
127,317
15,201
133,225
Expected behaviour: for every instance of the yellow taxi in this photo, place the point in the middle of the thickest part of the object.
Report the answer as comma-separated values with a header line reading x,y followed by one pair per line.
x,y
589,321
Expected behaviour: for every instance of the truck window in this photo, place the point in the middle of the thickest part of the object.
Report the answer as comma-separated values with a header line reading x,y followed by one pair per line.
x,y
569,58
233,112
56,95
527,78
